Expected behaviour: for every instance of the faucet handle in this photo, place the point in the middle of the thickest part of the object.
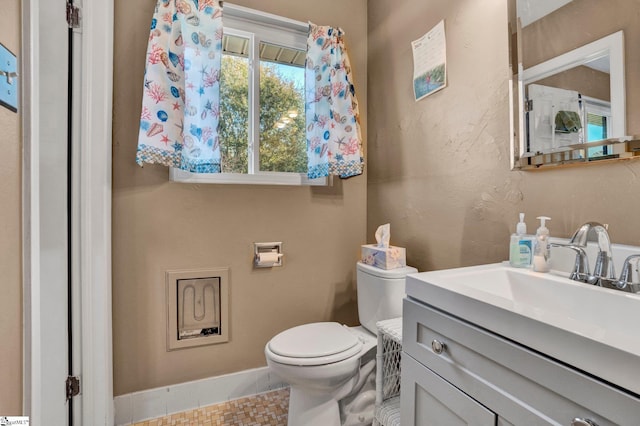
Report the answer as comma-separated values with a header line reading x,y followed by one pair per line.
x,y
626,277
581,266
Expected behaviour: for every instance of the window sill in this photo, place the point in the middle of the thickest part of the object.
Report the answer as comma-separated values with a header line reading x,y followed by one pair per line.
x,y
263,178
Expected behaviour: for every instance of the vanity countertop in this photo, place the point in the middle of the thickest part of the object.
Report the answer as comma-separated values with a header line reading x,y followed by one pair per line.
x,y
590,328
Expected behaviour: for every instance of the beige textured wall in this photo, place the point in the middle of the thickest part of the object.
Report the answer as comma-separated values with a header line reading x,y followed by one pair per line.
x,y
158,225
439,168
10,234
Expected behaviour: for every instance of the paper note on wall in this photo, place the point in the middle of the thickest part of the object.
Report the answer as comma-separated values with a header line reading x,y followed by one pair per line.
x,y
429,62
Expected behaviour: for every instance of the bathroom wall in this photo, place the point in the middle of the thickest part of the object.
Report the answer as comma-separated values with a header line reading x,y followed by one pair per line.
x,y
10,233
439,168
159,225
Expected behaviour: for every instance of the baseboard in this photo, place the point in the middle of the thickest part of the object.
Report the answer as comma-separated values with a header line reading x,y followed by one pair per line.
x,y
152,403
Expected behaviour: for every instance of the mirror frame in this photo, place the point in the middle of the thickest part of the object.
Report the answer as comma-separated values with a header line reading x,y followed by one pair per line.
x,y
611,45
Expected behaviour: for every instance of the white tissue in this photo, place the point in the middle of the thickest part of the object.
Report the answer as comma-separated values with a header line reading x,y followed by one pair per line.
x,y
268,259
382,254
383,235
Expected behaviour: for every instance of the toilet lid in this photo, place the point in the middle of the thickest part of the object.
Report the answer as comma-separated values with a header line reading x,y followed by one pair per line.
x,y
315,344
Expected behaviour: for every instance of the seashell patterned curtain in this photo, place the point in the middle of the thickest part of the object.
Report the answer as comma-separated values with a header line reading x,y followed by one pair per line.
x,y
181,98
334,141
181,95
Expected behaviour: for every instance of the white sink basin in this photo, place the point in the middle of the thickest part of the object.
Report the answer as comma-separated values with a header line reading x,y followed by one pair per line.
x,y
591,328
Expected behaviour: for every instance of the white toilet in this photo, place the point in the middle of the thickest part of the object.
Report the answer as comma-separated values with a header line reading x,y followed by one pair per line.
x,y
326,363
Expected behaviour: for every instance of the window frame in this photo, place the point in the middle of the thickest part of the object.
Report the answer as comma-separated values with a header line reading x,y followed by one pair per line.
x,y
257,27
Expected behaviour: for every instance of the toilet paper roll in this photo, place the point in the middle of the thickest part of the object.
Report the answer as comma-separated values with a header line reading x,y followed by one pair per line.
x,y
268,258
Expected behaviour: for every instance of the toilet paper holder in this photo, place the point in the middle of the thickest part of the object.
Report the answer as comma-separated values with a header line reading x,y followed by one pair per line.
x,y
267,255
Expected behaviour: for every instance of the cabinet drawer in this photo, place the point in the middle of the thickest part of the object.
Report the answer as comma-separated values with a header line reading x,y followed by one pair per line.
x,y
519,384
428,399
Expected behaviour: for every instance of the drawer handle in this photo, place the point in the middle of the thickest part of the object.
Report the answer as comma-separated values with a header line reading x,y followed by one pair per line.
x,y
439,347
583,422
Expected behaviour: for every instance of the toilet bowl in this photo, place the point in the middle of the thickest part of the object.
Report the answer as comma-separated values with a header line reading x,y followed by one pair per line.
x,y
326,362
322,364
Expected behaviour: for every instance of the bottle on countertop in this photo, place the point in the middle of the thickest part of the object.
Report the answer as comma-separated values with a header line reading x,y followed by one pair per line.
x,y
541,249
521,246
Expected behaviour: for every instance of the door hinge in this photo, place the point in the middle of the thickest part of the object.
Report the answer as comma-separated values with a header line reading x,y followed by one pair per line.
x,y
73,15
528,105
73,386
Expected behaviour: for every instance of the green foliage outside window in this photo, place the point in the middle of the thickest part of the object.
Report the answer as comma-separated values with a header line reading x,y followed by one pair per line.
x,y
283,148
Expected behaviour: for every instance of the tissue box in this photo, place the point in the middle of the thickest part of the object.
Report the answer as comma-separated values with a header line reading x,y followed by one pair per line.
x,y
384,257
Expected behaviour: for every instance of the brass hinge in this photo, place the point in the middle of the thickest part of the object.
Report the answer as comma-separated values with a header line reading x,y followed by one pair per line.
x,y
73,15
73,386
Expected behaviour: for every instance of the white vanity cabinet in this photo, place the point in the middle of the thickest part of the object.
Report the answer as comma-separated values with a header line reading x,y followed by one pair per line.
x,y
454,372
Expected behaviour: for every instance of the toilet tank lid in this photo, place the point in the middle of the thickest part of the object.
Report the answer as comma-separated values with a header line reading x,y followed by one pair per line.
x,y
386,273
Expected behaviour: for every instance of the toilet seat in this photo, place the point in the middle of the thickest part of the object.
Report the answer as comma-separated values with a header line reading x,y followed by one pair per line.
x,y
314,344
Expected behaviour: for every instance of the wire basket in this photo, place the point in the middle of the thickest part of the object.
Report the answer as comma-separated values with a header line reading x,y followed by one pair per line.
x,y
388,372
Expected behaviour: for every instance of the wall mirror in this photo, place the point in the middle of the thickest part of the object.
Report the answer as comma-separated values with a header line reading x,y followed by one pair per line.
x,y
568,64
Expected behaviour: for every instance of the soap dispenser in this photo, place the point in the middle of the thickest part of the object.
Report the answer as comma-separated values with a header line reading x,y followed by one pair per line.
x,y
541,250
521,246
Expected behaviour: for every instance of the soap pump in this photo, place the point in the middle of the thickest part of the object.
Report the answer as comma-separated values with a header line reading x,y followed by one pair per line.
x,y
541,251
520,247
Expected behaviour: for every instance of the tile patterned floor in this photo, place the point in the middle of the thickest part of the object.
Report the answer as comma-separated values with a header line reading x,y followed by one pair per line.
x,y
269,408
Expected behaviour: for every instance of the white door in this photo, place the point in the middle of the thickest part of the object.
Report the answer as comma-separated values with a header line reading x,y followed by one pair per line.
x,y
44,85
545,103
57,229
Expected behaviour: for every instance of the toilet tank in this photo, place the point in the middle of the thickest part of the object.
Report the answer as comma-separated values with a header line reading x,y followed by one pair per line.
x,y
380,293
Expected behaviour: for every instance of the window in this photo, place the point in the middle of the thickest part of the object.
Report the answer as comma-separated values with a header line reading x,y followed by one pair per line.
x,y
596,127
262,120
281,128
597,124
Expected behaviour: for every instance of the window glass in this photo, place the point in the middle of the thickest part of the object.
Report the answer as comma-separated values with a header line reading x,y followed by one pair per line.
x,y
234,104
597,127
282,121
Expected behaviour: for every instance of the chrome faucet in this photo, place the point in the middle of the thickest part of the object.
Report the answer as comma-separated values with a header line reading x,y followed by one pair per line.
x,y
603,272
